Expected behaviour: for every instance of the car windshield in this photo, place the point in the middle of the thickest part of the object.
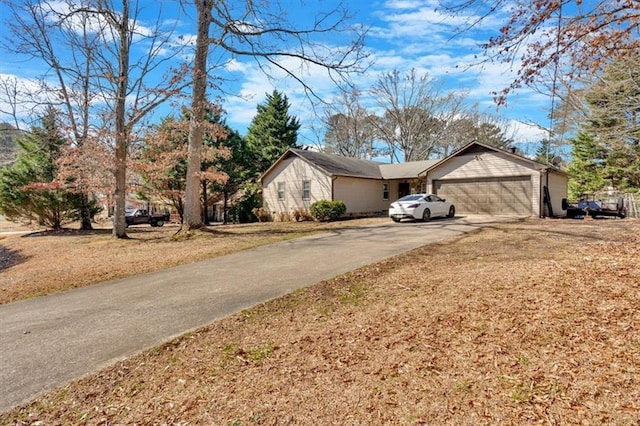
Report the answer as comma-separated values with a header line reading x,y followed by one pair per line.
x,y
413,197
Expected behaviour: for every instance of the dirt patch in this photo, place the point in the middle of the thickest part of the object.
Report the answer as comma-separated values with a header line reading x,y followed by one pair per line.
x,y
534,322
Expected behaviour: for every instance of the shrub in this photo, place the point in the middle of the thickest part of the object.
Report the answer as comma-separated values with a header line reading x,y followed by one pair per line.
x,y
261,214
300,215
325,210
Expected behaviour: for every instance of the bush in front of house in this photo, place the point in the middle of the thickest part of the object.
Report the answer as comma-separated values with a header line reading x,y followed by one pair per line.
x,y
301,215
325,210
261,214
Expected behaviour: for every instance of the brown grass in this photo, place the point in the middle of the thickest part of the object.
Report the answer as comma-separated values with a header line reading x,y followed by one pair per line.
x,y
527,323
39,263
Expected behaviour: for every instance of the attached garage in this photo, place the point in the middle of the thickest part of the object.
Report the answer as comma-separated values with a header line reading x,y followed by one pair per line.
x,y
481,179
494,196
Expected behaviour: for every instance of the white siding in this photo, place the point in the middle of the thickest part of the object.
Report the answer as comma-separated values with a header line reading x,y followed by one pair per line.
x,y
360,195
486,165
292,172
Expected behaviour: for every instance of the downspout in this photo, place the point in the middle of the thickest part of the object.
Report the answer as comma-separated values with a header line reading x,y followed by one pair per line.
x,y
333,179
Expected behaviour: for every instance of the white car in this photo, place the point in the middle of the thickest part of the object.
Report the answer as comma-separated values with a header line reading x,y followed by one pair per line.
x,y
420,206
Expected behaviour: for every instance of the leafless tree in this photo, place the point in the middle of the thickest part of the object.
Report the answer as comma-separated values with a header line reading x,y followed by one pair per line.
x,y
547,34
350,131
98,83
416,114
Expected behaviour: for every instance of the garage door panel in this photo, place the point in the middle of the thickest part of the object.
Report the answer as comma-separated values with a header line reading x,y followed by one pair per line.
x,y
488,196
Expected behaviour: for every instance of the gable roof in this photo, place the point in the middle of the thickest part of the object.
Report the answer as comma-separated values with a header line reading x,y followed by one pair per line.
x,y
475,146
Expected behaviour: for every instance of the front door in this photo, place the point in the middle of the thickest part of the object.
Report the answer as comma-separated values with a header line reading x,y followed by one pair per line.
x,y
404,188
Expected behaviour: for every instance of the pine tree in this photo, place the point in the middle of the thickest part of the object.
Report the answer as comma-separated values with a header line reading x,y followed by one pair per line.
x,y
545,152
587,169
28,188
272,131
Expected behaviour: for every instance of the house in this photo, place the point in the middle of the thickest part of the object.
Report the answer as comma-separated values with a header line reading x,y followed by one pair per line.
x,y
478,179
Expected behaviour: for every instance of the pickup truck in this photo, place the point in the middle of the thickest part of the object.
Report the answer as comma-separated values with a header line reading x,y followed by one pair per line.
x,y
141,216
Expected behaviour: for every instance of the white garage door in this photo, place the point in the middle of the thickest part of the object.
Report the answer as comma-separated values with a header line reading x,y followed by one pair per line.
x,y
508,196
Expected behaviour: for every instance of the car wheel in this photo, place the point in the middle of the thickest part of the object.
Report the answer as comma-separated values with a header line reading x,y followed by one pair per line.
x,y
395,219
159,222
452,211
426,215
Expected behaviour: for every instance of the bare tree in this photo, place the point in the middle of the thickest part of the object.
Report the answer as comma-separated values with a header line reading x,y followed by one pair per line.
x,y
543,34
98,82
260,29
417,114
350,131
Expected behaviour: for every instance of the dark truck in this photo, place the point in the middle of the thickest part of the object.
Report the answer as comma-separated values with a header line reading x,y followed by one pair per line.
x,y
141,217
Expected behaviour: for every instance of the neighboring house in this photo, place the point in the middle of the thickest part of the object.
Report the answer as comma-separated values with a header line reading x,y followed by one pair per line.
x,y
478,179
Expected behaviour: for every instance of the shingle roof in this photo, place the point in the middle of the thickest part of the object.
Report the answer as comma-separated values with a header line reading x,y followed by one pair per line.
x,y
338,165
405,170
356,167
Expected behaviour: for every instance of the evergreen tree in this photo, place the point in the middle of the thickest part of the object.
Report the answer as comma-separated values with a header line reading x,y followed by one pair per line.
x,y
545,152
587,169
272,131
614,120
28,190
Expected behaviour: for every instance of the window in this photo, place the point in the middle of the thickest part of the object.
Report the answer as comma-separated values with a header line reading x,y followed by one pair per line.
x,y
306,189
280,190
385,191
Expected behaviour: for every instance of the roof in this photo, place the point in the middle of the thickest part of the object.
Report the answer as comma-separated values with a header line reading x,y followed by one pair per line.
x,y
476,146
335,165
407,170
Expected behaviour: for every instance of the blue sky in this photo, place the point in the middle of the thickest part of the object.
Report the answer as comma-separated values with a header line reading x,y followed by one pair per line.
x,y
403,34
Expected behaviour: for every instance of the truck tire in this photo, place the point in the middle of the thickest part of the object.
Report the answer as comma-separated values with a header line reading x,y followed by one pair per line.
x,y
159,222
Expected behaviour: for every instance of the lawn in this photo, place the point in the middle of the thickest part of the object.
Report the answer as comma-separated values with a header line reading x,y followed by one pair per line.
x,y
521,323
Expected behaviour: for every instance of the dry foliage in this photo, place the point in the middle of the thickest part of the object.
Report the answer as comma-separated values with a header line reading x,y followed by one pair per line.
x,y
532,322
40,263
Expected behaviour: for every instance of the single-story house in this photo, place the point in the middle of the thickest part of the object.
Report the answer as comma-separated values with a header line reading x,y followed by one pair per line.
x,y
478,179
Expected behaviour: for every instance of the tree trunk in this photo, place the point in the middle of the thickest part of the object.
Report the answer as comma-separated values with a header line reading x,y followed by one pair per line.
x,y
192,217
85,213
122,132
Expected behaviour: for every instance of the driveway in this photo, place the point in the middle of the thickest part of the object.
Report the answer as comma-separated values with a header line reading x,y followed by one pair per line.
x,y
47,341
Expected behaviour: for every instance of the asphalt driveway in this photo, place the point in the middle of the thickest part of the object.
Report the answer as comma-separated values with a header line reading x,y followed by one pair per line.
x,y
50,340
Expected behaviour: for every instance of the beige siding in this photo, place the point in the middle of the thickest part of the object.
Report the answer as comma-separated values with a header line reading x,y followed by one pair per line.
x,y
360,195
558,184
484,165
292,172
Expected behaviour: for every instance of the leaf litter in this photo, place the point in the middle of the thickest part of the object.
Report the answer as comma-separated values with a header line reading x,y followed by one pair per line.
x,y
534,322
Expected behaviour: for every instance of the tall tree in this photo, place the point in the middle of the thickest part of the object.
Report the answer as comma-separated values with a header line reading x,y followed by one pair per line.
x,y
100,83
417,114
28,188
162,160
261,30
582,36
272,131
350,129
545,152
587,168
614,119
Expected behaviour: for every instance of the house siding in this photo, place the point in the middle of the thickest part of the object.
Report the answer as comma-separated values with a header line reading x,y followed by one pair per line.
x,y
558,186
292,172
361,196
487,165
